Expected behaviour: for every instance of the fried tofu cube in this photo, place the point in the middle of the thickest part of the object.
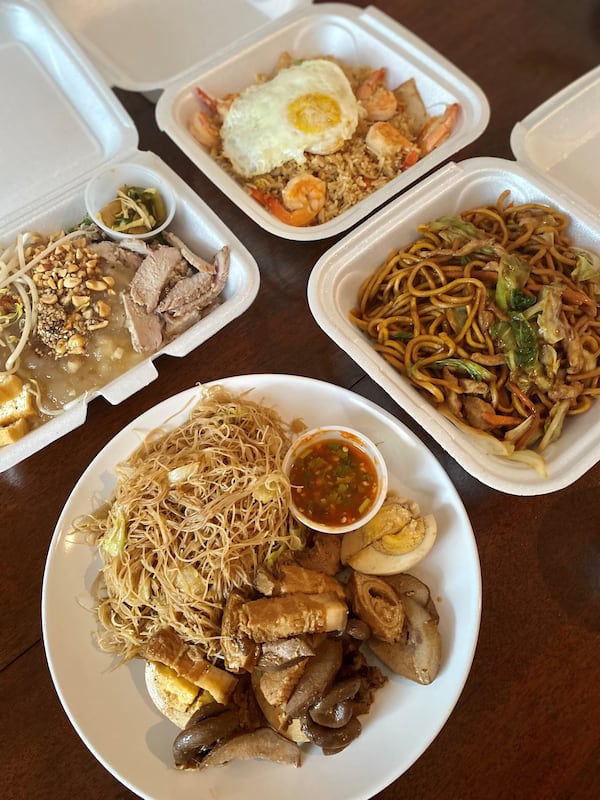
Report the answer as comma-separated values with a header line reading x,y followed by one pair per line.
x,y
9,434
11,387
15,406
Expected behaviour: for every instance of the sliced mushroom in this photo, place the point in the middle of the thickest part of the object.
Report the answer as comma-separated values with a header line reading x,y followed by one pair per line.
x,y
262,743
317,678
331,740
333,710
193,743
406,584
283,653
358,629
204,712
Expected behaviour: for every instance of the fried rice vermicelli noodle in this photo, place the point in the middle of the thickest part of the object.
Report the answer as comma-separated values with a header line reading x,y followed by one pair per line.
x,y
493,316
195,511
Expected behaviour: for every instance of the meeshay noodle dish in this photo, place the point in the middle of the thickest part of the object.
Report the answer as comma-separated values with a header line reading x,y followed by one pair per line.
x,y
254,628
493,315
77,310
316,136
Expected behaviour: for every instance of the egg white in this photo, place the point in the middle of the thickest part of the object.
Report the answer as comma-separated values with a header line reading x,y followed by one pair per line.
x,y
309,107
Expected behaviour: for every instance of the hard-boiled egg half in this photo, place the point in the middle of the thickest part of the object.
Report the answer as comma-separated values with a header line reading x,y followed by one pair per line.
x,y
393,541
308,107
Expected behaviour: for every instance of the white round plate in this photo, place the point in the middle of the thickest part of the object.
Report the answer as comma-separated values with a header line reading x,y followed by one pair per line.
x,y
110,708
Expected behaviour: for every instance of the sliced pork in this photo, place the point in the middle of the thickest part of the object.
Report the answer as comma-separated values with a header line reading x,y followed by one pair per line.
x,y
115,255
199,289
152,275
145,328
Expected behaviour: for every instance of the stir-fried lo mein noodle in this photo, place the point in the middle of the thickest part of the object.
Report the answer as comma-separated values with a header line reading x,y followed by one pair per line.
x,y
493,316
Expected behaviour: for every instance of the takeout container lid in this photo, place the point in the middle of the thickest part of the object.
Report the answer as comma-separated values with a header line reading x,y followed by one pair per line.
x,y
144,47
62,124
561,139
222,45
554,165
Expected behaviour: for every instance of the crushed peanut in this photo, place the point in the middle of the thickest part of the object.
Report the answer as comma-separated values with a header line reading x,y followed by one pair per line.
x,y
72,291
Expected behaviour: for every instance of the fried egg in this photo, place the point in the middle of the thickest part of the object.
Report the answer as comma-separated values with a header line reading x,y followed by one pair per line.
x,y
309,107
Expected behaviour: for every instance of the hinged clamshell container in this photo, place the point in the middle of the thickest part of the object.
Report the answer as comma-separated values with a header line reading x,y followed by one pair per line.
x,y
555,166
61,123
561,139
220,47
145,45
355,36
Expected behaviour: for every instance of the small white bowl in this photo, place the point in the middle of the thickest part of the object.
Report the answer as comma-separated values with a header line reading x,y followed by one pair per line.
x,y
344,436
103,187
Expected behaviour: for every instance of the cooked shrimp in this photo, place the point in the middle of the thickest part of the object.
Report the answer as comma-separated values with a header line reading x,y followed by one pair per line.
x,y
217,106
203,129
303,197
284,61
437,129
386,141
378,101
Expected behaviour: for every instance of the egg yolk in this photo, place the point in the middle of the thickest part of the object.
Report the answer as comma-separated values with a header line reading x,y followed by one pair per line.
x,y
313,113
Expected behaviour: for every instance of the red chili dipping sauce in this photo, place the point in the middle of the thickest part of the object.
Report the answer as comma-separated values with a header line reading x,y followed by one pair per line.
x,y
333,482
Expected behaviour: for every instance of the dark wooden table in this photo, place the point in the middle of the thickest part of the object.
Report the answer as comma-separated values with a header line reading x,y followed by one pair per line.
x,y
528,722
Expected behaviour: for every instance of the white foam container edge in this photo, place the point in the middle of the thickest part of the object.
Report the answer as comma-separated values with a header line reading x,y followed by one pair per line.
x,y
538,174
356,36
44,179
131,43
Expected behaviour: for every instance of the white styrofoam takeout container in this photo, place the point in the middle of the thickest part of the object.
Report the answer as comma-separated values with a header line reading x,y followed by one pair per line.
x,y
61,124
554,165
221,46
356,36
143,46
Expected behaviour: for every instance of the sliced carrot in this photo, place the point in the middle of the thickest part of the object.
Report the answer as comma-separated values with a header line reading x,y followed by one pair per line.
x,y
577,297
497,420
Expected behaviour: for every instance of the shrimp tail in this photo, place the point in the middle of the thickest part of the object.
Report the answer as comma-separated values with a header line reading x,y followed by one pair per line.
x,y
297,218
437,129
203,129
411,158
208,101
